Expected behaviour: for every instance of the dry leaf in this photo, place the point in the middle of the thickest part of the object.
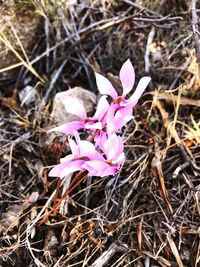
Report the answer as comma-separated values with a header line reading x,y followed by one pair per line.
x,y
11,102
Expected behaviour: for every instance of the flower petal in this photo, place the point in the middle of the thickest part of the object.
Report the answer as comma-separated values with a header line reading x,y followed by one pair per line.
x,y
111,118
113,147
72,166
63,169
105,87
57,170
69,127
87,149
127,77
119,159
122,116
74,106
67,158
74,148
99,168
102,108
144,81
92,126
100,138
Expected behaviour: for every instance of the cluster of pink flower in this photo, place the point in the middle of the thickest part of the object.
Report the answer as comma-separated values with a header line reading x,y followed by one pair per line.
x,y
104,153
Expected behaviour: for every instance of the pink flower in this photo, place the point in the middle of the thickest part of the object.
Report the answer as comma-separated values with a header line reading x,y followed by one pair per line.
x,y
127,78
113,152
117,117
120,111
82,151
85,157
75,106
106,155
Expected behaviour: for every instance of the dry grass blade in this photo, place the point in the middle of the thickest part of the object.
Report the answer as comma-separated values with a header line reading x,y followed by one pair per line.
x,y
11,102
174,98
196,32
139,236
108,254
11,67
158,173
172,130
28,65
174,250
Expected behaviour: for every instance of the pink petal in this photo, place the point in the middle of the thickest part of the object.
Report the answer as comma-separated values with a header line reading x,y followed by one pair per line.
x,y
72,167
57,170
119,155
113,147
119,159
63,169
122,116
105,87
87,149
74,148
92,126
74,106
127,77
67,158
77,138
69,127
120,145
102,108
111,118
144,81
99,168
100,138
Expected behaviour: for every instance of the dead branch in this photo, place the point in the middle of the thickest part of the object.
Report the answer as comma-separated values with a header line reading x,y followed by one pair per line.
x,y
174,98
196,33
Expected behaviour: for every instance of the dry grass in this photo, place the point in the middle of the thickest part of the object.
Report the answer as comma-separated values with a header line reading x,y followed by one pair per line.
x,y
148,214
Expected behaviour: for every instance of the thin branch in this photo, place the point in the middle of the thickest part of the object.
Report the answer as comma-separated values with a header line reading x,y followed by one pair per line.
x,y
195,33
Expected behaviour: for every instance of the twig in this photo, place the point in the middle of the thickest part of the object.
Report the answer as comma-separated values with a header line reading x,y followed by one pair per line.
x,y
173,132
174,98
138,6
156,167
150,40
10,160
148,47
51,86
108,254
195,33
174,250
102,25
81,176
46,29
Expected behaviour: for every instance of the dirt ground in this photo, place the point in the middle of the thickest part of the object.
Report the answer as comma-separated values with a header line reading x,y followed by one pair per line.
x,y
149,213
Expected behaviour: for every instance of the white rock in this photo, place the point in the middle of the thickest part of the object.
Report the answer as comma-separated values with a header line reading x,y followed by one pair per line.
x,y
60,116
27,95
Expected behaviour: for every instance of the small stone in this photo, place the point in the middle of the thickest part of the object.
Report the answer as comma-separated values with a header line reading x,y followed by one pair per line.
x,y
27,96
60,116
11,217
